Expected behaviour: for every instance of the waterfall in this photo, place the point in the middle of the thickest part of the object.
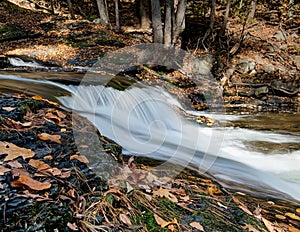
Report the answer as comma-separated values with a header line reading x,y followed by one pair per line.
x,y
145,122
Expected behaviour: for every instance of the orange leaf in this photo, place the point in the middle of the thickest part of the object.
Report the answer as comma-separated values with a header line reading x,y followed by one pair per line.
x,y
53,138
80,158
38,164
3,170
14,151
292,216
165,193
28,182
38,98
123,218
159,220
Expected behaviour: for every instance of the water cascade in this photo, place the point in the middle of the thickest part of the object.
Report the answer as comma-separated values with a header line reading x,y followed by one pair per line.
x,y
143,120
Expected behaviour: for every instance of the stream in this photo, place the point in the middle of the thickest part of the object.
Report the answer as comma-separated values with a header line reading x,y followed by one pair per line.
x,y
254,153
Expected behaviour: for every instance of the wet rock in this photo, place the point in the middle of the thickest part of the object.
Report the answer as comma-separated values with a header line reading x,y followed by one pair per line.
x,y
261,91
269,68
247,65
3,61
296,60
279,36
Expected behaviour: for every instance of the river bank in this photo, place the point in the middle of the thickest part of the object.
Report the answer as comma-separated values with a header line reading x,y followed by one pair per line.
x,y
262,76
47,183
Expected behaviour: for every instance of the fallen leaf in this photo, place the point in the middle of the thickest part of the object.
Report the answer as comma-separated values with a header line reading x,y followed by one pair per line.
x,y
3,170
19,172
46,136
250,228
298,210
8,108
53,171
60,114
26,181
72,226
165,193
14,151
37,97
26,124
292,216
242,205
53,117
213,190
123,218
37,197
293,229
279,216
1,186
197,226
38,164
269,225
159,220
80,158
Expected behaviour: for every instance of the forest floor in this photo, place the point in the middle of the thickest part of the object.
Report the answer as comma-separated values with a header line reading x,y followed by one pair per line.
x,y
50,185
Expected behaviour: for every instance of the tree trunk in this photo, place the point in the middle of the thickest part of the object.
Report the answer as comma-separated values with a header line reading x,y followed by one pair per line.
x,y
70,9
156,21
179,24
226,17
212,15
102,8
144,14
168,22
252,10
117,15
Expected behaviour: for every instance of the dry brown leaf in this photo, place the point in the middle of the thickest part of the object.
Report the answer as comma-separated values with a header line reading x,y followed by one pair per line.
x,y
165,193
8,108
53,117
3,170
80,158
46,136
1,186
38,164
19,172
242,205
159,220
123,218
298,210
292,216
36,97
250,228
279,216
269,225
197,226
14,151
60,114
72,226
53,171
293,229
37,197
28,182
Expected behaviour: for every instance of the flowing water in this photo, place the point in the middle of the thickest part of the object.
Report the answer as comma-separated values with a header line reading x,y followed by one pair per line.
x,y
255,153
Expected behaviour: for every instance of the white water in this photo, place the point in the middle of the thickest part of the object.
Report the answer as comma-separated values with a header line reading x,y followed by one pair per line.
x,y
18,62
144,123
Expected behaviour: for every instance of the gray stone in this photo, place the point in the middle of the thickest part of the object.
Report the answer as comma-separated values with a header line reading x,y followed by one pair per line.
x,y
297,61
261,91
247,65
280,36
269,68
259,59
